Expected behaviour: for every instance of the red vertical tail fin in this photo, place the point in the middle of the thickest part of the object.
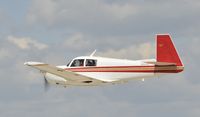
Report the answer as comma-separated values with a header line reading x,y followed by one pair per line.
x,y
166,51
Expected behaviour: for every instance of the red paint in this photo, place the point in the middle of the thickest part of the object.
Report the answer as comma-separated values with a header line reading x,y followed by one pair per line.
x,y
137,71
166,51
76,68
107,69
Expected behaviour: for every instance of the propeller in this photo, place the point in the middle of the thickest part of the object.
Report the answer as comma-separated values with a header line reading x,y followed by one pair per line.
x,y
46,84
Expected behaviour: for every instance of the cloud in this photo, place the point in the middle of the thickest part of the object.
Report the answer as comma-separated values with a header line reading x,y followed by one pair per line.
x,y
77,42
141,51
110,17
120,11
26,43
4,53
52,12
195,48
45,10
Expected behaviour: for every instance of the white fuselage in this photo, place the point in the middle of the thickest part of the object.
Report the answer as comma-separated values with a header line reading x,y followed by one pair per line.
x,y
110,70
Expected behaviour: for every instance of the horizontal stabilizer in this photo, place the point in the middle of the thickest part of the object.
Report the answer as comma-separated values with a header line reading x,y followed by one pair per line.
x,y
162,63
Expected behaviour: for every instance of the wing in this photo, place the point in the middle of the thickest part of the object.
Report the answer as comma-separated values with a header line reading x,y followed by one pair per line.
x,y
72,77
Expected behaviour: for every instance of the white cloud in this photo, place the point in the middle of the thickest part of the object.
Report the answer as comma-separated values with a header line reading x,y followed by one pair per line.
x,y
26,43
77,42
144,51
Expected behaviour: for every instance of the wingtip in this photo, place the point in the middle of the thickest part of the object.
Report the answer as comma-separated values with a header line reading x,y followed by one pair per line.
x,y
26,63
32,63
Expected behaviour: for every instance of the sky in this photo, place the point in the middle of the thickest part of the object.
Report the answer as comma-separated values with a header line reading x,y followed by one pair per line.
x,y
55,31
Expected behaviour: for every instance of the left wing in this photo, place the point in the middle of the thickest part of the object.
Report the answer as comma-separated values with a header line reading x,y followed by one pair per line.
x,y
71,77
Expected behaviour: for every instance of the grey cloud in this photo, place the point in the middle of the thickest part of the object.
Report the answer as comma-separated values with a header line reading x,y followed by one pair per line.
x,y
77,42
4,53
142,51
102,18
191,57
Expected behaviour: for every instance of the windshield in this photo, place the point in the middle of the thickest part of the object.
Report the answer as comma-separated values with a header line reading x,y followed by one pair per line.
x,y
69,63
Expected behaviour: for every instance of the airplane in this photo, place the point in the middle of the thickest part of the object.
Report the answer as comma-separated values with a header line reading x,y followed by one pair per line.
x,y
93,70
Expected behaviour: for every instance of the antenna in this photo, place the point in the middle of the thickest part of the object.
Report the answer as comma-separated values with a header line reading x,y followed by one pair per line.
x,y
93,53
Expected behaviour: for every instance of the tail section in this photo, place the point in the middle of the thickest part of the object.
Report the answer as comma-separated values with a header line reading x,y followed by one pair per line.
x,y
166,51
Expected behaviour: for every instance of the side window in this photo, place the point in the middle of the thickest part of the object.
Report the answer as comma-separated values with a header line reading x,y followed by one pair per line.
x,y
91,62
77,63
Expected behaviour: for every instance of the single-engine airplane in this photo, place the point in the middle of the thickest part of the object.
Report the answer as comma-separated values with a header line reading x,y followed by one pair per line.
x,y
92,70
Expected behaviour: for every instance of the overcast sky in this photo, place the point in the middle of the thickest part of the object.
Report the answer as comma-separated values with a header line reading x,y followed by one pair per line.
x,y
55,31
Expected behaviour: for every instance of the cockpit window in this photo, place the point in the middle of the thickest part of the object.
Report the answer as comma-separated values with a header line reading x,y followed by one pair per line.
x,y
91,62
77,63
69,63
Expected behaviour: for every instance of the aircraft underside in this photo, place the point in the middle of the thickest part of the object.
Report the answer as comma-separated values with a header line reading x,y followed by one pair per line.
x,y
102,77
105,77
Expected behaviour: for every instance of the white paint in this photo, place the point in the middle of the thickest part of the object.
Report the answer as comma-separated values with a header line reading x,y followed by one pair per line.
x,y
33,63
116,76
51,78
102,61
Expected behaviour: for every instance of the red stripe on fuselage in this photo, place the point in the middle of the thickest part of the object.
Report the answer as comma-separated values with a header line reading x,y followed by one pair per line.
x,y
125,69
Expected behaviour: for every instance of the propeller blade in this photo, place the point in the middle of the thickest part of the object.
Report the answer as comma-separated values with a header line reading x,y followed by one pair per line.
x,y
46,85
